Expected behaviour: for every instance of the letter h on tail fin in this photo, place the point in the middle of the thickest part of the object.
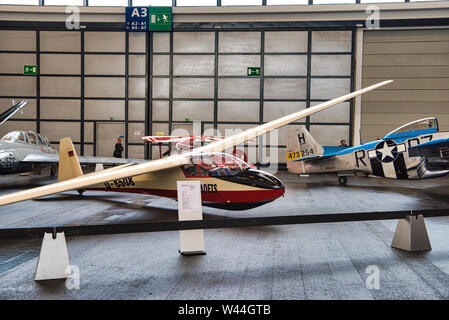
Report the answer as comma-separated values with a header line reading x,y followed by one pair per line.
x,y
300,144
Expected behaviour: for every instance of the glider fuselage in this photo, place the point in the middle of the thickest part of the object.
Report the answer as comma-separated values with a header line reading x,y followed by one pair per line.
x,y
245,190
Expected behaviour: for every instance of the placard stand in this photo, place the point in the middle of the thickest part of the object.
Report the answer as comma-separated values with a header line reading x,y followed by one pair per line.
x,y
191,242
411,234
53,260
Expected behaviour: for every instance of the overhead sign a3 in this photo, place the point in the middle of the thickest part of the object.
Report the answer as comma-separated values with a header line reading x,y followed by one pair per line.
x,y
148,18
137,18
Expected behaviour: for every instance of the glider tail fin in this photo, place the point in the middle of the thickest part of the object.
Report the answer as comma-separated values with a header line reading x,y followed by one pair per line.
x,y
301,144
69,165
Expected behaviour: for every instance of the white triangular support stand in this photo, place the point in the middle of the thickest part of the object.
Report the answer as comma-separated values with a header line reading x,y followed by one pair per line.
x,y
99,167
53,260
191,242
411,234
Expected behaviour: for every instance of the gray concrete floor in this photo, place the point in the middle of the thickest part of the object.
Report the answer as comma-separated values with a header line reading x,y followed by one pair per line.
x,y
315,261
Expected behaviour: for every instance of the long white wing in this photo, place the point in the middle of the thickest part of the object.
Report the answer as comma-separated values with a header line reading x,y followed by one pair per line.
x,y
175,160
94,178
269,126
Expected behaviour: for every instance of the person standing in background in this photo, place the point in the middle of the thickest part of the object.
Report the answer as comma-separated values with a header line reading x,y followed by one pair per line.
x,y
343,143
118,148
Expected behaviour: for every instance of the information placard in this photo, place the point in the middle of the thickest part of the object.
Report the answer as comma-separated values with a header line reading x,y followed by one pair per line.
x,y
190,208
189,200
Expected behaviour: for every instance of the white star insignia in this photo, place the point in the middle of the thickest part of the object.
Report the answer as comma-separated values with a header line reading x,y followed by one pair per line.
x,y
387,151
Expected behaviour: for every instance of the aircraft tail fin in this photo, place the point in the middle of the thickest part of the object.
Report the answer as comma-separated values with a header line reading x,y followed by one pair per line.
x,y
69,165
301,144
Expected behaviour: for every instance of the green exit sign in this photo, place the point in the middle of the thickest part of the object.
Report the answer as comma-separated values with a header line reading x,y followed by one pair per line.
x,y
30,70
160,18
253,72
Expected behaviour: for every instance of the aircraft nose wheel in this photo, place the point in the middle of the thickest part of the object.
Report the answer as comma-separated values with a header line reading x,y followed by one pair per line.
x,y
342,180
81,191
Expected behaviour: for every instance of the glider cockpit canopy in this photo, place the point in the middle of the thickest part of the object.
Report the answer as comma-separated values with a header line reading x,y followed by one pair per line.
x,y
215,165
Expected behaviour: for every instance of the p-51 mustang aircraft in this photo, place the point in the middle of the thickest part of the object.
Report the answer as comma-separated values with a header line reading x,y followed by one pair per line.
x,y
409,152
227,182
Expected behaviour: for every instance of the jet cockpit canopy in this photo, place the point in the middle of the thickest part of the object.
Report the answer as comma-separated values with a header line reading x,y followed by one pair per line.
x,y
15,136
27,137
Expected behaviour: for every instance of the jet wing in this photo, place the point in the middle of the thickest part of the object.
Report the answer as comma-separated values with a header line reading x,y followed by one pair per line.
x,y
54,158
12,111
94,178
177,159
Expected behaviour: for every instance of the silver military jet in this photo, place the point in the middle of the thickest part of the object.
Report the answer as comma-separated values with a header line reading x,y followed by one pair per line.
x,y
27,151
17,149
17,145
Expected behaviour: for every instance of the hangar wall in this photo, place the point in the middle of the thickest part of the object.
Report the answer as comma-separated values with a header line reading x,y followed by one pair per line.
x,y
148,82
84,79
418,61
202,76
87,78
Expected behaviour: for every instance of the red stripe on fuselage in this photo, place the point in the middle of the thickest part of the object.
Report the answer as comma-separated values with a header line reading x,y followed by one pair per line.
x,y
235,196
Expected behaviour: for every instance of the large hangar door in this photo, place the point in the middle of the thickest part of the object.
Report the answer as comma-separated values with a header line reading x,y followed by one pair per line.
x,y
202,76
418,61
82,78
